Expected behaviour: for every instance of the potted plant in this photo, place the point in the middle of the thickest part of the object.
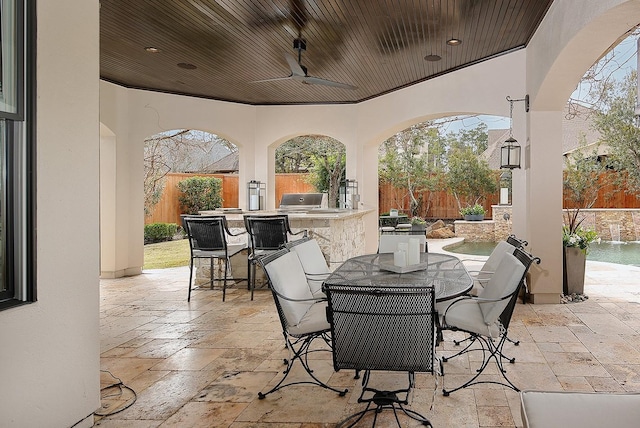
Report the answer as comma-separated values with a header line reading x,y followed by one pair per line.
x,y
473,213
418,223
575,242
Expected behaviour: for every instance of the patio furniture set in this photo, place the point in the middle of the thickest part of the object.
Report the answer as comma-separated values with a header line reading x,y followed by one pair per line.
x,y
372,317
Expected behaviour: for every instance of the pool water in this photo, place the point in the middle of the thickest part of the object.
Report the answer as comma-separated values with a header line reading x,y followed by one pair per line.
x,y
625,253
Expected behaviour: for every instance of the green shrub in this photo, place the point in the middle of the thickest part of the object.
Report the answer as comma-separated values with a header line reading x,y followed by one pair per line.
x,y
476,209
159,232
200,193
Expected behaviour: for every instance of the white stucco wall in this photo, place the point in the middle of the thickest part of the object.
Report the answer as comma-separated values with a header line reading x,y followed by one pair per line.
x,y
50,349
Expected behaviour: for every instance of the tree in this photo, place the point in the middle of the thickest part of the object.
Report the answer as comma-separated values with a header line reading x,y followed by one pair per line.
x,y
616,122
583,179
468,177
323,157
412,160
178,150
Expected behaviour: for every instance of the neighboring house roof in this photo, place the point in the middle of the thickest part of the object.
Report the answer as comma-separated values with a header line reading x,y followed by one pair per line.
x,y
576,122
229,163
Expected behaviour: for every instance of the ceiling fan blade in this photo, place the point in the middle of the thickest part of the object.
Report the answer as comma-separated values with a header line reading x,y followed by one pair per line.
x,y
296,69
317,81
275,79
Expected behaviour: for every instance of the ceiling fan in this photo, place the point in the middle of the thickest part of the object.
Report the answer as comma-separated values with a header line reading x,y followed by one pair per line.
x,y
299,71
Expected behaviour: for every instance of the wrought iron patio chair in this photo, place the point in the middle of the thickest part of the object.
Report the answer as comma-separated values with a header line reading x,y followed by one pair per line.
x,y
302,316
313,262
481,278
208,240
486,317
516,242
382,329
267,233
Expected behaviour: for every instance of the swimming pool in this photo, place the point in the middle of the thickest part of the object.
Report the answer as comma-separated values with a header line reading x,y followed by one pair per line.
x,y
625,253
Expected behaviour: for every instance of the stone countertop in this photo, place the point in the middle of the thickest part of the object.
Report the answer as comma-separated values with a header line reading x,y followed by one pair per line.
x,y
316,214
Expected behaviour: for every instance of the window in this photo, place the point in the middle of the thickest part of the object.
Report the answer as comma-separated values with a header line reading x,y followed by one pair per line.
x,y
17,152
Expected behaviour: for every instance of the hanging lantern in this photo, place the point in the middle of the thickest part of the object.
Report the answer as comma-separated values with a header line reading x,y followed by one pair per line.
x,y
510,150
510,154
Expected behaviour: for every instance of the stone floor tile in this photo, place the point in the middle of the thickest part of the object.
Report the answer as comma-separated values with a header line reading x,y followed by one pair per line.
x,y
202,363
189,359
205,415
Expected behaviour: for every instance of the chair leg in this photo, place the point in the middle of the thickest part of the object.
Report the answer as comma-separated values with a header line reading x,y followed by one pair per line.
x,y
190,279
494,352
248,273
301,353
224,281
384,400
211,273
253,277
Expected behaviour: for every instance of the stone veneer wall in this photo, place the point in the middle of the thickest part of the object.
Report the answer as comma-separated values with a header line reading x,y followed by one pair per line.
x,y
612,224
476,231
608,222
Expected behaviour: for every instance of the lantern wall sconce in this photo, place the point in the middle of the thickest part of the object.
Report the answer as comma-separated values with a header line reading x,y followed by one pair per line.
x,y
510,151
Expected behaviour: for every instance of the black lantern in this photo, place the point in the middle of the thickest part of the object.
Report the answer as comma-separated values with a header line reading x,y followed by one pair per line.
x,y
510,150
510,154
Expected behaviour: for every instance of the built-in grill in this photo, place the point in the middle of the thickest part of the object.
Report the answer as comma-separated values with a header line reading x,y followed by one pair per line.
x,y
301,202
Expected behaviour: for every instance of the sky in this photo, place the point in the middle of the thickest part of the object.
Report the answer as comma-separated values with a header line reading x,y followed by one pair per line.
x,y
625,60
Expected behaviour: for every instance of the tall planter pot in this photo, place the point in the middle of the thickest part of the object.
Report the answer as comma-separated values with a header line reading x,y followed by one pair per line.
x,y
574,262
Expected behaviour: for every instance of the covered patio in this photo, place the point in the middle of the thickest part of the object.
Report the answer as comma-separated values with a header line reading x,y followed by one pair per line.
x,y
203,363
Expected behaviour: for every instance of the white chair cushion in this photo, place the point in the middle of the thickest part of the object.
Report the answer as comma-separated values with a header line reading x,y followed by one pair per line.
x,y
502,283
314,265
311,257
315,319
465,314
544,409
288,279
495,258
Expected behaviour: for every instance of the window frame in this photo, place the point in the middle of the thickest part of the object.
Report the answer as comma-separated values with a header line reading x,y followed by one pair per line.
x,y
19,162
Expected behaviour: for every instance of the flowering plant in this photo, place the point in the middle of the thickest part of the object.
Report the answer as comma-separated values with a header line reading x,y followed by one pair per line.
x,y
578,237
574,235
418,220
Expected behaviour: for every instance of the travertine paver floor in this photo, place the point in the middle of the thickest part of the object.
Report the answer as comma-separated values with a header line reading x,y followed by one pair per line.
x,y
201,364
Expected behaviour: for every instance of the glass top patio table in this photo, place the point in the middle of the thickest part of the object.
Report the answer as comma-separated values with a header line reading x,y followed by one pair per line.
x,y
444,272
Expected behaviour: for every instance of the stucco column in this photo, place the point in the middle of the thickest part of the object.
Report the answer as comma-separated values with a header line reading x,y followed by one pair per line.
x,y
543,205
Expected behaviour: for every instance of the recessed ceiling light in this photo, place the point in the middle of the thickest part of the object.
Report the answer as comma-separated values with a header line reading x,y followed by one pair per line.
x,y
454,42
152,49
187,66
432,58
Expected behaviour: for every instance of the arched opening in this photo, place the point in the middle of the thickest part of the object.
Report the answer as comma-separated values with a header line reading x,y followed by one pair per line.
x,y
424,170
310,163
175,155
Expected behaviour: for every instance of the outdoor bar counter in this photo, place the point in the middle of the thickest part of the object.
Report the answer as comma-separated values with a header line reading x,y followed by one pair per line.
x,y
339,232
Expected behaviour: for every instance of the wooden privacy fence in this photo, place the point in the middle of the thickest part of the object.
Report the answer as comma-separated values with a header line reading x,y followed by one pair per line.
x,y
168,208
435,205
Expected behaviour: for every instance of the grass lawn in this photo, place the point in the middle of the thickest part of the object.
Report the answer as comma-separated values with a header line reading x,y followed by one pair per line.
x,y
166,254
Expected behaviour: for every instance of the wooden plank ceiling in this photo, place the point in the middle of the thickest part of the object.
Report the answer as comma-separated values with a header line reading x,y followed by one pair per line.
x,y
218,49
